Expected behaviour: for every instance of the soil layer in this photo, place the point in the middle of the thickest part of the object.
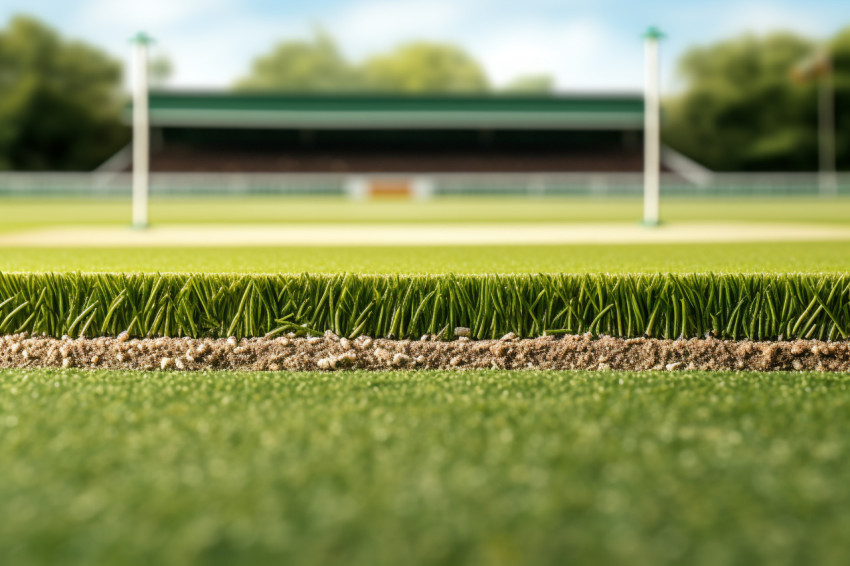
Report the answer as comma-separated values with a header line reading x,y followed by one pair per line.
x,y
330,352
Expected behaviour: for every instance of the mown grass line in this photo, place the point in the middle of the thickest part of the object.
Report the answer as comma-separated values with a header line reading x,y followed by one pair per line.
x,y
736,306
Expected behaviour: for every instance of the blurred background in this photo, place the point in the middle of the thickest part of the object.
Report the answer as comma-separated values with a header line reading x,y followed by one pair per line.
x,y
406,102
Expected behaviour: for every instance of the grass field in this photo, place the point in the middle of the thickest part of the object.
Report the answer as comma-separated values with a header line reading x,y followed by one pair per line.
x,y
620,258
28,213
424,468
487,467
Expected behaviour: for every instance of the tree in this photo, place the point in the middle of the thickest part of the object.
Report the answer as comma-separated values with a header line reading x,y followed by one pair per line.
x,y
740,110
531,84
314,65
425,67
318,65
160,69
60,101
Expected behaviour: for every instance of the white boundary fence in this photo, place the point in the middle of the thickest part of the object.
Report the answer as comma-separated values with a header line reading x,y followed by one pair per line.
x,y
18,184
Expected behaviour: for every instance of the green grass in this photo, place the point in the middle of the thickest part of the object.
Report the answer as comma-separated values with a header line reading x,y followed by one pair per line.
x,y
424,468
679,258
37,212
736,306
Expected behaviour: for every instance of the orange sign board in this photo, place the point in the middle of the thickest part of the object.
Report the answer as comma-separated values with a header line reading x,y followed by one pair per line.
x,y
390,188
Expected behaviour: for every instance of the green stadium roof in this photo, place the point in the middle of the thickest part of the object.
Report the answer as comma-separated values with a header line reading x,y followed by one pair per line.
x,y
325,111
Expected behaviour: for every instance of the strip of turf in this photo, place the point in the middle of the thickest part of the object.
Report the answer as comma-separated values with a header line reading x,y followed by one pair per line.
x,y
424,468
752,257
27,213
736,306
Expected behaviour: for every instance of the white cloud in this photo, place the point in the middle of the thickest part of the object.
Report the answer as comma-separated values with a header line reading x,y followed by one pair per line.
x,y
763,16
211,58
365,27
147,14
585,44
581,54
212,42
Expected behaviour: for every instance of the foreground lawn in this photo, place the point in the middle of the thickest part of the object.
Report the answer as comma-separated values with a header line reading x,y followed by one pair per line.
x,y
424,468
643,258
22,213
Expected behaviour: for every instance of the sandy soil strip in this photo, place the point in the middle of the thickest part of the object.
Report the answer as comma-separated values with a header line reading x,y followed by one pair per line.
x,y
332,353
417,234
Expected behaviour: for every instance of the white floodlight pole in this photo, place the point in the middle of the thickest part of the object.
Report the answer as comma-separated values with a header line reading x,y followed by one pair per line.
x,y
141,130
826,130
651,128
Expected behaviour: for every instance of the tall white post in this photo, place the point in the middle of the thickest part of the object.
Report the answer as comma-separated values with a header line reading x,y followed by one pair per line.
x,y
141,130
651,129
826,130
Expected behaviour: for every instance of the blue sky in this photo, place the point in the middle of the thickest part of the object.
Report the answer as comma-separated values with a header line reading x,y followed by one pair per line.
x,y
584,44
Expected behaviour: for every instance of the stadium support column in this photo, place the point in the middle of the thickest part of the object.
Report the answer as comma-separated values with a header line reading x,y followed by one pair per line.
x,y
141,130
651,129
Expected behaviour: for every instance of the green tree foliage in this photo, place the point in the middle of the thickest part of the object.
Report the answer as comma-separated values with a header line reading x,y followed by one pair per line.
x,y
317,65
741,110
60,101
160,70
314,65
531,84
425,67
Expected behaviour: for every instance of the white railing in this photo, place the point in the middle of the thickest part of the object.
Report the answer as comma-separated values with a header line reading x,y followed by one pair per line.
x,y
103,184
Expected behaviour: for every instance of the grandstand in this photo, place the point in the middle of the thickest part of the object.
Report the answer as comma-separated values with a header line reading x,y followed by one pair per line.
x,y
410,138
373,133
225,143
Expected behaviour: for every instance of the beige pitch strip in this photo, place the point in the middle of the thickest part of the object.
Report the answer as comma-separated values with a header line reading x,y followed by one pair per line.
x,y
231,235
